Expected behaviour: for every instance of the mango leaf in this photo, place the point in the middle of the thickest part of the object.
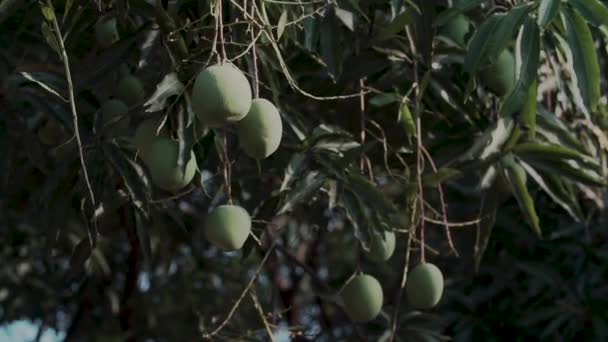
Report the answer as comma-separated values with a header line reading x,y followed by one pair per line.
x,y
49,36
551,129
465,5
552,186
281,25
330,44
516,177
487,214
47,11
584,59
297,164
443,174
346,17
368,193
307,186
491,38
168,87
407,120
395,26
527,118
355,213
594,11
528,53
547,11
491,141
569,169
552,152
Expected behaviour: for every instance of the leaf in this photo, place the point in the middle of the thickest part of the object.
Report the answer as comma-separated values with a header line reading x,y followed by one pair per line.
x,y
49,36
527,118
528,53
465,5
281,25
308,185
330,44
570,170
36,78
594,11
384,99
516,177
82,252
47,11
355,213
346,17
169,86
443,174
552,186
552,152
369,193
547,11
298,162
407,120
395,26
487,214
584,59
491,141
491,38
550,128
185,135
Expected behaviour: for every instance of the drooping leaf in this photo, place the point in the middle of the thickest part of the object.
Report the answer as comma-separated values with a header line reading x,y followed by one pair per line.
x,y
396,25
570,169
584,59
552,152
528,54
407,120
547,11
309,184
491,38
369,193
296,165
516,177
594,11
168,87
281,25
487,219
443,174
552,185
527,118
346,17
491,141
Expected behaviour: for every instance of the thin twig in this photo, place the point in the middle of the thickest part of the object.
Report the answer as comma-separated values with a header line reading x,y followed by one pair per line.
x,y
227,169
453,224
256,80
68,75
220,19
243,294
362,121
444,214
258,307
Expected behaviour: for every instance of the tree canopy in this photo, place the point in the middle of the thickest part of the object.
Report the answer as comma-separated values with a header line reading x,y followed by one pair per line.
x,y
404,170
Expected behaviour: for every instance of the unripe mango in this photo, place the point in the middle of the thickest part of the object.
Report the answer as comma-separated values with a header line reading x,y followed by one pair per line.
x,y
261,130
381,249
228,227
146,134
457,28
500,76
221,95
113,115
106,32
130,90
424,286
362,298
161,160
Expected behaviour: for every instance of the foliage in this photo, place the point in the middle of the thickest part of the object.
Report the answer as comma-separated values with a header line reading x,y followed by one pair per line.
x,y
386,127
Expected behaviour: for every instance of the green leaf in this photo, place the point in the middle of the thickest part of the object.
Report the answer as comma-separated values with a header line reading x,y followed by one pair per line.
x,y
551,152
465,5
295,167
551,129
384,99
491,141
49,36
584,59
547,11
47,11
307,186
281,25
552,185
516,177
569,169
491,199
528,53
491,38
346,17
443,174
398,24
168,87
407,120
369,193
594,11
527,119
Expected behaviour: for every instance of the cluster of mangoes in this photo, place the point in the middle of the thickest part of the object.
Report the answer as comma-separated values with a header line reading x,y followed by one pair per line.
x,y
362,296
